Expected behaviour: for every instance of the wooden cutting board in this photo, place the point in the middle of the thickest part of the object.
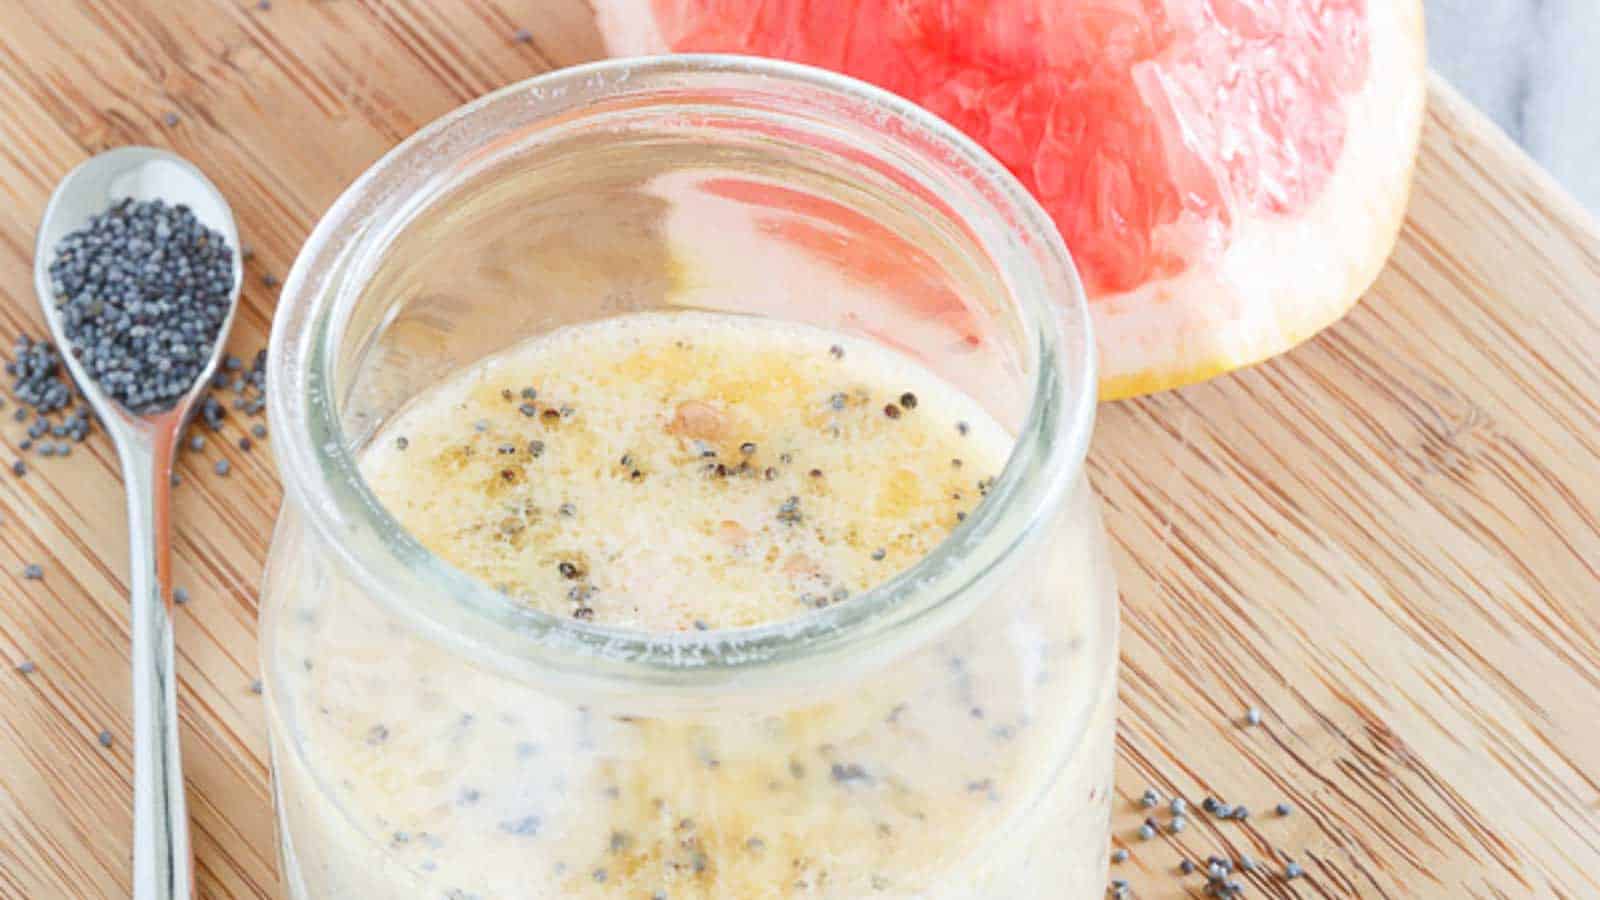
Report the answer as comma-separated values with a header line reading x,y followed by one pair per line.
x,y
1388,540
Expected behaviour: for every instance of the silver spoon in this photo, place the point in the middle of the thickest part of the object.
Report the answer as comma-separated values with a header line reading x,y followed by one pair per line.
x,y
146,445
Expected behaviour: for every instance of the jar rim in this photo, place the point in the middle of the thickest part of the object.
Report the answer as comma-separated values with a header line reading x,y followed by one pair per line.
x,y
321,477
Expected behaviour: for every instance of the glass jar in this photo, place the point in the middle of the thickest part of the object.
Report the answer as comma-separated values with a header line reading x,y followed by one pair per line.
x,y
945,735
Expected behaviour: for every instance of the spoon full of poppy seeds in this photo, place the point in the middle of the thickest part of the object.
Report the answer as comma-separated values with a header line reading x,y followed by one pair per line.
x,y
138,271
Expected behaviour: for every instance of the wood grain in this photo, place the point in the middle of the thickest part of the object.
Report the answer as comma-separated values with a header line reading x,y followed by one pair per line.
x,y
1388,540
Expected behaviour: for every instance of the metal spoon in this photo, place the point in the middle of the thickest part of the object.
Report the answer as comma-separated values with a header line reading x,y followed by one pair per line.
x,y
146,445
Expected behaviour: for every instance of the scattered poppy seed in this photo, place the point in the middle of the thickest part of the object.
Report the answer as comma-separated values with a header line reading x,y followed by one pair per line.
x,y
891,410
1241,813
529,393
1119,855
528,409
908,400
105,738
1186,867
789,511
1146,832
269,280
223,467
1209,804
1293,870
963,428
180,596
569,570
19,468
264,5
47,449
26,667
245,444
1247,863
401,443
1119,887
1283,809
1252,716
1178,824
836,351
879,554
480,426
170,118
256,686
536,448
33,572
259,430
700,625
747,448
1178,806
522,36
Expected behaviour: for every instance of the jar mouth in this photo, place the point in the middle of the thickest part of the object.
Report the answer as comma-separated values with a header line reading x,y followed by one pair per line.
x,y
320,472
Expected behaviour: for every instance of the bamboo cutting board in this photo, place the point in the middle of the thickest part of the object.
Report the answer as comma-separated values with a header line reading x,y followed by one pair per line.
x,y
1388,541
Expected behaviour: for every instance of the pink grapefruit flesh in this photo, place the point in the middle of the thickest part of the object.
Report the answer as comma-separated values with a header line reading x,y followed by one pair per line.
x,y
1230,175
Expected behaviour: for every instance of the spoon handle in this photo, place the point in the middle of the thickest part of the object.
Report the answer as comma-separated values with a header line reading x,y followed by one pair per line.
x,y
162,868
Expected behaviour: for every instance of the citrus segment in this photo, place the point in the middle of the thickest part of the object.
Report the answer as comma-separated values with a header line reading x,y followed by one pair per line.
x,y
1229,174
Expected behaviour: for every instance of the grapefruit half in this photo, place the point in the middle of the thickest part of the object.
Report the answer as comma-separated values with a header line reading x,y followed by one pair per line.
x,y
1230,175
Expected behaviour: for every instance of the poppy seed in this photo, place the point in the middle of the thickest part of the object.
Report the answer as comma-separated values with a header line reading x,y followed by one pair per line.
x,y
142,291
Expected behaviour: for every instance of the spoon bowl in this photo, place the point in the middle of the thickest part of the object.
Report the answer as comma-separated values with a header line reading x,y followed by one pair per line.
x,y
146,446
140,174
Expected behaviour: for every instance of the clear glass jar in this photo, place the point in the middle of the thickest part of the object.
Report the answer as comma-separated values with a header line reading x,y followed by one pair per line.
x,y
946,735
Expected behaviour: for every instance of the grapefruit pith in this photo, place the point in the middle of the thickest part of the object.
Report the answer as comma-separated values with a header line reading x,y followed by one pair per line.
x,y
1230,175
